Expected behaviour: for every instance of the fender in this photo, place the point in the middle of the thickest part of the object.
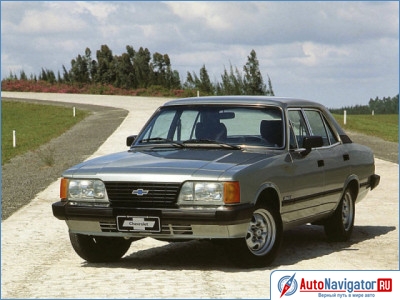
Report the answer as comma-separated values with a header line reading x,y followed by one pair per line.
x,y
348,181
265,186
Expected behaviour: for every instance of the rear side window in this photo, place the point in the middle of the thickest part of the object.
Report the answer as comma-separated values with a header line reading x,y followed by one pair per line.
x,y
320,127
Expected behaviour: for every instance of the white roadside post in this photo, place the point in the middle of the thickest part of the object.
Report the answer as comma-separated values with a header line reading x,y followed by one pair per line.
x,y
73,111
14,139
344,117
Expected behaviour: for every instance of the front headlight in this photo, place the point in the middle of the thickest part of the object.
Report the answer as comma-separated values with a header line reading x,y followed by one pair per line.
x,y
83,190
209,193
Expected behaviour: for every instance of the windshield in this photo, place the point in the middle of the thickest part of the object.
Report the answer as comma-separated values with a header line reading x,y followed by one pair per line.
x,y
218,125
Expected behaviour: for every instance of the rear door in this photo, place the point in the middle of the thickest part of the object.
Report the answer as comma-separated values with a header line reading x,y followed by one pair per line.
x,y
335,159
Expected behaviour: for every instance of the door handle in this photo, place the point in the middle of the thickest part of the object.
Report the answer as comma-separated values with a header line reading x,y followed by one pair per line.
x,y
346,157
321,163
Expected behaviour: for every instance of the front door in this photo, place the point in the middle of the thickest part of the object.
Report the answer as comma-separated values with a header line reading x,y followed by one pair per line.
x,y
307,174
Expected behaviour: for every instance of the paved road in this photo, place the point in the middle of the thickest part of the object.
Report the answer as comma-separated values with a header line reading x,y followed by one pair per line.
x,y
38,261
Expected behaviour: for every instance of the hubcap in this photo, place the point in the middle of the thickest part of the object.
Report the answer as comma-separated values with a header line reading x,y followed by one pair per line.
x,y
261,233
347,211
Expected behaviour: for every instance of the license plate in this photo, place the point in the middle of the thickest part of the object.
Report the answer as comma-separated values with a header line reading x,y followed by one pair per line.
x,y
138,224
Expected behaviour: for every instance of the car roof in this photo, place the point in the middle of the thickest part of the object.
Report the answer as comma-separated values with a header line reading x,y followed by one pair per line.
x,y
284,102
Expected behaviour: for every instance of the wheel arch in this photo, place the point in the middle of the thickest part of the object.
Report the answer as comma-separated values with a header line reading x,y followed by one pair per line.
x,y
269,195
353,184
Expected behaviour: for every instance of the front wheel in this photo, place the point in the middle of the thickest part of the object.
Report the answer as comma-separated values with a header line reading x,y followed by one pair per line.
x,y
339,226
97,249
262,241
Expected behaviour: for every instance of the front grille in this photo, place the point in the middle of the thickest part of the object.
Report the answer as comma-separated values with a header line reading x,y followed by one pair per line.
x,y
142,194
177,229
108,226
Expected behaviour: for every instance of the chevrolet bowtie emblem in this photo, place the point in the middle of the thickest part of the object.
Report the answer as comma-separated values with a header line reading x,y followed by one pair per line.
x,y
140,192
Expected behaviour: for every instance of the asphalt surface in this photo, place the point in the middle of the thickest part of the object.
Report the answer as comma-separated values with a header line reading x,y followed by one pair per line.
x,y
38,261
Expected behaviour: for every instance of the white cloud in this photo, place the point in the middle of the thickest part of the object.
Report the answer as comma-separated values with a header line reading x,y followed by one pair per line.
x,y
213,15
100,10
321,54
48,22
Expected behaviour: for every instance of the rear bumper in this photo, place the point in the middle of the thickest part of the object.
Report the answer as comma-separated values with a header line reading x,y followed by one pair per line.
x,y
374,181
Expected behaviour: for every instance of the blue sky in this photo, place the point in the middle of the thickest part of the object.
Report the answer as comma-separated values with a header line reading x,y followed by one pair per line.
x,y
337,53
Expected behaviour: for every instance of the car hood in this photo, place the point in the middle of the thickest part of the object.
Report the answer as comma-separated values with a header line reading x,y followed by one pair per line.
x,y
165,164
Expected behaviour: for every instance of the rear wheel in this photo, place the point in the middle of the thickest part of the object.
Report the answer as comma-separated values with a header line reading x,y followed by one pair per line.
x,y
99,248
263,238
339,226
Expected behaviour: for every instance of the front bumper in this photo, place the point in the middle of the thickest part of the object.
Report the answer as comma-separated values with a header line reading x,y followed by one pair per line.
x,y
182,223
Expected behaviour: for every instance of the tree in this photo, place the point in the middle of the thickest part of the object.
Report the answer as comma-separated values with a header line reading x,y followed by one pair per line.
x,y
202,84
105,66
79,70
23,75
59,79
205,85
142,68
190,81
232,83
66,75
12,76
175,80
270,91
130,51
124,72
90,64
253,81
161,65
47,75
386,105
172,79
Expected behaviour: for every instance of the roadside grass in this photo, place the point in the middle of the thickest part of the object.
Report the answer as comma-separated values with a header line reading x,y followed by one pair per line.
x,y
35,125
383,126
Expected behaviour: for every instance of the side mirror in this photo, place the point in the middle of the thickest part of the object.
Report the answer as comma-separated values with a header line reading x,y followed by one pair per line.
x,y
130,139
310,142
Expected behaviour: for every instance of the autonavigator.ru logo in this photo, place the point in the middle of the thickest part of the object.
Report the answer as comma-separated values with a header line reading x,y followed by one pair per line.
x,y
327,285
332,284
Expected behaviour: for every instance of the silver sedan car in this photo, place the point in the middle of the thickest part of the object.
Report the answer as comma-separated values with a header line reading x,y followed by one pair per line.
x,y
235,169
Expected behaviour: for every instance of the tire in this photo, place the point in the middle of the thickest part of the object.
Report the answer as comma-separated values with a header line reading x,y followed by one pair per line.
x,y
339,226
262,241
97,249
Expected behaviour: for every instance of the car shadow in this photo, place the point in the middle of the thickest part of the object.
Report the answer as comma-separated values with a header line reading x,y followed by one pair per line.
x,y
302,243
308,242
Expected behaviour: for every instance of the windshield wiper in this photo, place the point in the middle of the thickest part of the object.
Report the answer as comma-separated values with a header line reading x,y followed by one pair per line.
x,y
161,141
213,142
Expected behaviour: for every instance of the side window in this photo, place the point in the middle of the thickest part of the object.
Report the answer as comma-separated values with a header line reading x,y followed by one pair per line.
x,y
332,137
320,127
298,129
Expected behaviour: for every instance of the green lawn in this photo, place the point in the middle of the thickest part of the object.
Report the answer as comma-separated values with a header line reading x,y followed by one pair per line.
x,y
34,124
383,126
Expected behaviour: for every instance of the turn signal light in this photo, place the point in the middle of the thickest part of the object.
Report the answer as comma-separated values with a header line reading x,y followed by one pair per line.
x,y
64,189
231,192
